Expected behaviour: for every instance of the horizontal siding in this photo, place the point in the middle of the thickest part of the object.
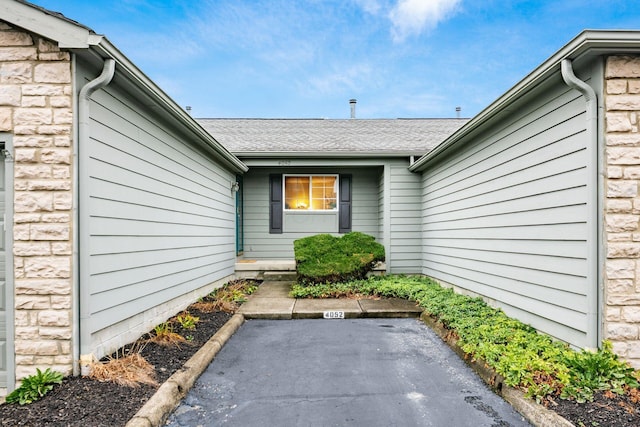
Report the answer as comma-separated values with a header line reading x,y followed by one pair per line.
x,y
259,244
405,221
160,214
507,217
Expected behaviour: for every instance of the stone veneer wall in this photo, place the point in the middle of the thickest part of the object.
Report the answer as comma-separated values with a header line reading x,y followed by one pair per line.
x,y
36,107
622,206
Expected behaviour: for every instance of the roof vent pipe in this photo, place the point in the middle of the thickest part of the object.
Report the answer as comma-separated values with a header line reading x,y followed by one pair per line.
x,y
458,109
352,102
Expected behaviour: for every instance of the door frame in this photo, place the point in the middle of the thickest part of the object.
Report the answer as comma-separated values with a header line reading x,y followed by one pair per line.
x,y
6,155
239,217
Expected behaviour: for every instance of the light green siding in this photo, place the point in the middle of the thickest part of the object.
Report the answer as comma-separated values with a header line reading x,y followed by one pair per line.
x,y
406,220
157,217
508,215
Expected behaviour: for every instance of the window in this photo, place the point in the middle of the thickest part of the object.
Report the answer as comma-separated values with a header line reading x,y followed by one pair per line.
x,y
311,192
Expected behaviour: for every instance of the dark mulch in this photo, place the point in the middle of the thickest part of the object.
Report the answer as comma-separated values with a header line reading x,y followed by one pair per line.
x,y
83,402
606,409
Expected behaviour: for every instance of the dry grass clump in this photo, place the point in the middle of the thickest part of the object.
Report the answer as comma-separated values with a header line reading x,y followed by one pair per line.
x,y
165,336
227,298
131,371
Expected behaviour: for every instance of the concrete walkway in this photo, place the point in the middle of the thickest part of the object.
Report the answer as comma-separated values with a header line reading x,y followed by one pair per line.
x,y
272,301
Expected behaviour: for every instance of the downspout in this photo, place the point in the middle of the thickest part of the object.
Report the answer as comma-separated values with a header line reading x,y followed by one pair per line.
x,y
593,199
81,294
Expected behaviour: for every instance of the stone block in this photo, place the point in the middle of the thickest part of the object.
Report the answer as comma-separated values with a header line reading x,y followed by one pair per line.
x,y
633,349
33,101
6,119
25,155
32,302
614,172
21,318
55,72
61,172
619,223
620,286
62,116
54,129
47,267
60,302
16,73
54,56
59,218
32,141
623,139
33,171
616,87
620,269
62,201
37,347
21,129
25,218
618,122
62,141
61,248
632,172
619,237
55,155
53,185
623,155
26,333
54,318
50,231
619,205
43,89
50,287
33,116
633,299
10,95
60,101
621,331
21,231
622,66
634,86
623,250
15,38
631,314
45,45
33,201
8,54
21,248
627,102
613,314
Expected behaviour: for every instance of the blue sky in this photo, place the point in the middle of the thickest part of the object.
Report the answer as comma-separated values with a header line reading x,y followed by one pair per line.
x,y
307,58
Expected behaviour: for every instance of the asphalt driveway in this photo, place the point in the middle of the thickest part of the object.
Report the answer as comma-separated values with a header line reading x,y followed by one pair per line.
x,y
358,372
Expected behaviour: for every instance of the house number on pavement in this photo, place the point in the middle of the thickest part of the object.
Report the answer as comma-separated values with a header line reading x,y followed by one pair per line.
x,y
333,315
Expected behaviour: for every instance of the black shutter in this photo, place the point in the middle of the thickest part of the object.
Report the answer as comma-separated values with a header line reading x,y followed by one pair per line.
x,y
275,204
344,210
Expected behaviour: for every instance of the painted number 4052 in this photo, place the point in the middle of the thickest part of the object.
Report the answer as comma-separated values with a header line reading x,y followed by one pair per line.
x,y
334,314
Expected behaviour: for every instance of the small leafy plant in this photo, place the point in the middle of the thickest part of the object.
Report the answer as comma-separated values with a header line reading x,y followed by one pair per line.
x,y
187,321
165,336
34,387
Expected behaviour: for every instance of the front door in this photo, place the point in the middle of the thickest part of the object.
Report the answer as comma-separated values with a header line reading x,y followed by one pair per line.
x,y
239,219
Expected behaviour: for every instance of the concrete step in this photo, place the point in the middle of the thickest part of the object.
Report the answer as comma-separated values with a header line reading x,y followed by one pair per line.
x,y
279,276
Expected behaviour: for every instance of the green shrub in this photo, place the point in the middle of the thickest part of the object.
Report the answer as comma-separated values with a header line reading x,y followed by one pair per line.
x,y
34,387
324,258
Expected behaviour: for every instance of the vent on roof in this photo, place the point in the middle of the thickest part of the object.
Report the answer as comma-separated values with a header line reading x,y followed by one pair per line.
x,y
352,102
458,109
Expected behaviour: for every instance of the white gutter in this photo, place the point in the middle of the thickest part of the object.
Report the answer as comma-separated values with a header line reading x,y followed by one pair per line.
x,y
593,194
81,335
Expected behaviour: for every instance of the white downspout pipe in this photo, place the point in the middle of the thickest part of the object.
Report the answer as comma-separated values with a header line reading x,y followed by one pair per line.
x,y
81,294
593,199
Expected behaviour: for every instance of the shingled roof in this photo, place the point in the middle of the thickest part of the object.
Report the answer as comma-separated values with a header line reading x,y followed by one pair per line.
x,y
250,137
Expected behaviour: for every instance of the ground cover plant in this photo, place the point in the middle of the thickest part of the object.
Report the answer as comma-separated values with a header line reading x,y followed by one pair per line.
x,y
121,383
589,387
324,258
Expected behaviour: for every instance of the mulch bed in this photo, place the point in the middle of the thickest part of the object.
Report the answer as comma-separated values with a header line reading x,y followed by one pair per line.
x,y
80,401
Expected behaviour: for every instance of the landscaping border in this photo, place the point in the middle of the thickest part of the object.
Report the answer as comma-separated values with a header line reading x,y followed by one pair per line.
x,y
169,395
535,413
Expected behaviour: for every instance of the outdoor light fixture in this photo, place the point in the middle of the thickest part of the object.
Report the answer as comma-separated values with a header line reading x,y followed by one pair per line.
x,y
235,186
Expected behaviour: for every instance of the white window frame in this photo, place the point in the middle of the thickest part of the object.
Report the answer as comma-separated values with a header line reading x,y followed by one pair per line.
x,y
310,176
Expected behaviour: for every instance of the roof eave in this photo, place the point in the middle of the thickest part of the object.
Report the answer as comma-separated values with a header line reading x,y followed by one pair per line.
x,y
324,154
106,49
588,41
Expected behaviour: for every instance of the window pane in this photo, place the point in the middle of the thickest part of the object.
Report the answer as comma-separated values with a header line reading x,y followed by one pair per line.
x,y
324,192
296,192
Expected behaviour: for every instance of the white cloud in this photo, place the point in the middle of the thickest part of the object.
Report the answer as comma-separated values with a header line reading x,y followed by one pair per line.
x,y
369,6
412,17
